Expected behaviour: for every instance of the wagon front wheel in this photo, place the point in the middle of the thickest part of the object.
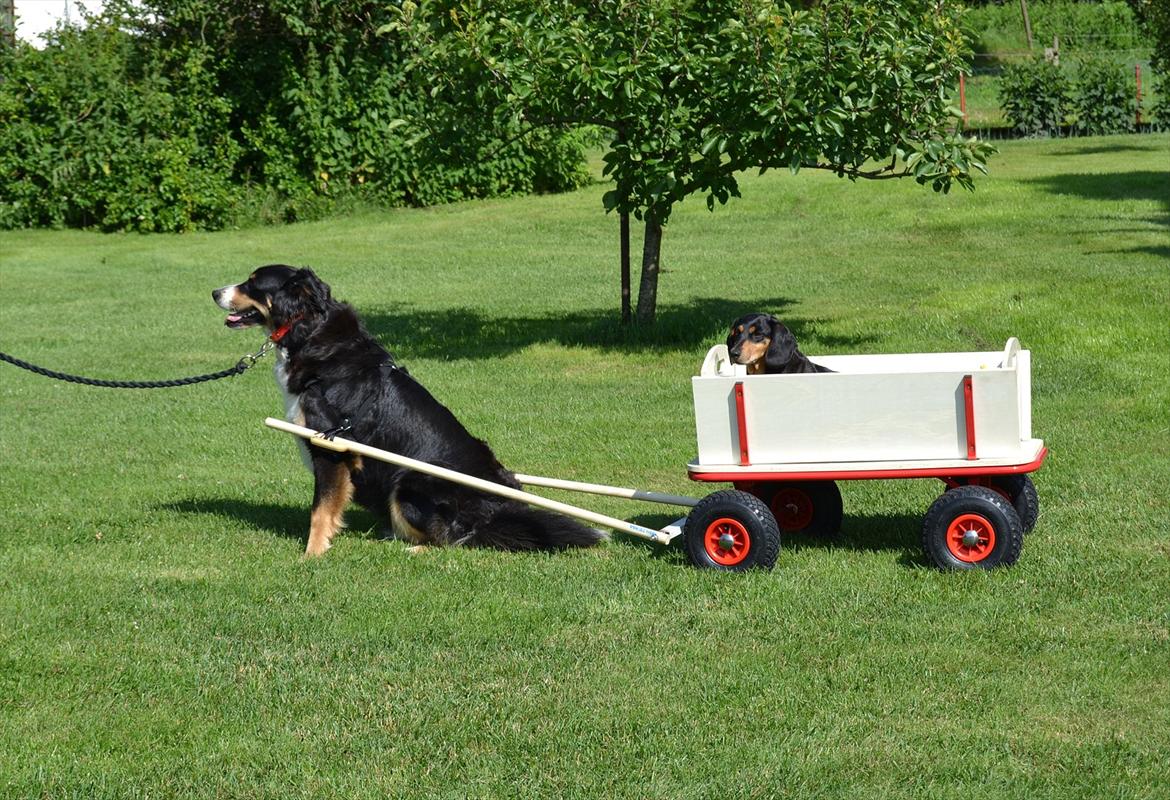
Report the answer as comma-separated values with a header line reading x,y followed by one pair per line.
x,y
732,530
972,527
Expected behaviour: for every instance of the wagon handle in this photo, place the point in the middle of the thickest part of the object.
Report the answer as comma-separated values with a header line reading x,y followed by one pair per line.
x,y
338,444
1011,352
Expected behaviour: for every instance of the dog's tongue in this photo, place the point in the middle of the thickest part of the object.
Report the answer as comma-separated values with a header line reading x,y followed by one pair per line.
x,y
232,319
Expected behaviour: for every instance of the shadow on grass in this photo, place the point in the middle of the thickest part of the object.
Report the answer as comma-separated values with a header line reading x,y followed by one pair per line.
x,y
469,333
1101,149
289,521
860,533
1136,185
1161,251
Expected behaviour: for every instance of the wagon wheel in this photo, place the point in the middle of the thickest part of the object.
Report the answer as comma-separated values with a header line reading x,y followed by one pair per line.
x,y
812,507
732,530
1017,489
972,527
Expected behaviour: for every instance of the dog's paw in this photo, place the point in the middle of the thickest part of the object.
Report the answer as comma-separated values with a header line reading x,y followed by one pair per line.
x,y
418,548
315,549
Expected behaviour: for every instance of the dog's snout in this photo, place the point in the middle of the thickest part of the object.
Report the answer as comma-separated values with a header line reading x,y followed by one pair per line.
x,y
224,296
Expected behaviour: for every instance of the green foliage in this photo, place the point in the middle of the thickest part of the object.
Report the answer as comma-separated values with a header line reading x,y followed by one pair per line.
x,y
1110,24
696,92
1154,16
1034,96
98,133
1158,111
1102,98
330,109
177,114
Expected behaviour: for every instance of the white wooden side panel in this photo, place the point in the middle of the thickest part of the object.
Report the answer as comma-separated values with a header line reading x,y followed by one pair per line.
x,y
1024,371
867,415
997,413
715,420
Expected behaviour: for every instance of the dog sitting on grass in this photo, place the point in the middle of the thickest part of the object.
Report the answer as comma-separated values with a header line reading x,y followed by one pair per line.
x,y
337,378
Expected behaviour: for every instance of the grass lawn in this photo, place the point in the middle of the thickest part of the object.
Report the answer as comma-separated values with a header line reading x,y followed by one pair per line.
x,y
162,637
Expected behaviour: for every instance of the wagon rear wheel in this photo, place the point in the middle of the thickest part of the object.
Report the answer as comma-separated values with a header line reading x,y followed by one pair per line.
x,y
972,527
732,530
812,507
1017,489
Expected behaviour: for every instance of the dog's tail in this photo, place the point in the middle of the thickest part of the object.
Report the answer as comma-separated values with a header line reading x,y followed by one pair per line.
x,y
514,526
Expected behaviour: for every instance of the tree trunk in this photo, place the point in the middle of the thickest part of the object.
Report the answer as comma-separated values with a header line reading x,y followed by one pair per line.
x,y
625,246
651,254
1027,22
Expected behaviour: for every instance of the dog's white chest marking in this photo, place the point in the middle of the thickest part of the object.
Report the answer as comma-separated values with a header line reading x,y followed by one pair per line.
x,y
292,404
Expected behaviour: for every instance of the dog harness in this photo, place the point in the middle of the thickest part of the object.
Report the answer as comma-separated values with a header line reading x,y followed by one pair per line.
x,y
362,409
315,385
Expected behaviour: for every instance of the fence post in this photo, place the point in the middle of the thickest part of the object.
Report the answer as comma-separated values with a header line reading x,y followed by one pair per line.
x,y
1027,22
1137,74
963,98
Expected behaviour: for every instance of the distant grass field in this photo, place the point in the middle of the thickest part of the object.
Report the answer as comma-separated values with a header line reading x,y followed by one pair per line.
x,y
160,635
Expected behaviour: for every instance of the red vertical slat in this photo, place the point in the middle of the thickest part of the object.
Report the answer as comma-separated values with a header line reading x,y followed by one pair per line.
x,y
741,425
969,414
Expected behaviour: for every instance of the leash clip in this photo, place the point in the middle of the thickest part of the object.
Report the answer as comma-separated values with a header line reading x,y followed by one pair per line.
x,y
250,360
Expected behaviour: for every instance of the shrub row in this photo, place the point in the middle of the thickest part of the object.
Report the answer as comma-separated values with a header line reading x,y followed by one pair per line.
x,y
1041,98
172,115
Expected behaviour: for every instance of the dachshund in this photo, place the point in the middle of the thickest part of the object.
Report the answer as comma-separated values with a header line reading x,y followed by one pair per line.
x,y
766,346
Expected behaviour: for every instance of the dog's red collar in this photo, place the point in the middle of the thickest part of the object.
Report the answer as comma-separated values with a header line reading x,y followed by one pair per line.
x,y
283,330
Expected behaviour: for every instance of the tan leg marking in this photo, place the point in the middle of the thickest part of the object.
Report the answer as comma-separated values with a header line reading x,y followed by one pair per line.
x,y
400,527
328,509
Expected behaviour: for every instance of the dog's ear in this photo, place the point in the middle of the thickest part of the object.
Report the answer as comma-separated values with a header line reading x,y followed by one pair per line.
x,y
302,295
783,347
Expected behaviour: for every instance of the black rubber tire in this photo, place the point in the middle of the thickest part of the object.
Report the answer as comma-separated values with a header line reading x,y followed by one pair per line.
x,y
980,502
1023,495
1025,498
755,525
825,498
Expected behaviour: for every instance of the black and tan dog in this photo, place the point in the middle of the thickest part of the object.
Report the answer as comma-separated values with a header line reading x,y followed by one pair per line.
x,y
335,376
766,346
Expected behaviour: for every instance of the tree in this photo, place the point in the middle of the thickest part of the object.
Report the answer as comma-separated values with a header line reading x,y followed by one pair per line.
x,y
1154,15
695,91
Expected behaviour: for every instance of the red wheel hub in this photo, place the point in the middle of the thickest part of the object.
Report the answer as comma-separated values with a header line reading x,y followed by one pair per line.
x,y
793,509
727,541
970,538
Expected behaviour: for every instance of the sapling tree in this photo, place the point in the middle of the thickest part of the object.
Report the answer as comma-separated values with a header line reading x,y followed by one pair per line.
x,y
696,91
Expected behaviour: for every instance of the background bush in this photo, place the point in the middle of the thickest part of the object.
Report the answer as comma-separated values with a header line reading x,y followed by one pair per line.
x,y
1157,112
181,114
1102,98
1034,96
99,132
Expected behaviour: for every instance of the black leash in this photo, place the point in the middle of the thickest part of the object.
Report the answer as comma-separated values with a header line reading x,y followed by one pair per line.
x,y
243,364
